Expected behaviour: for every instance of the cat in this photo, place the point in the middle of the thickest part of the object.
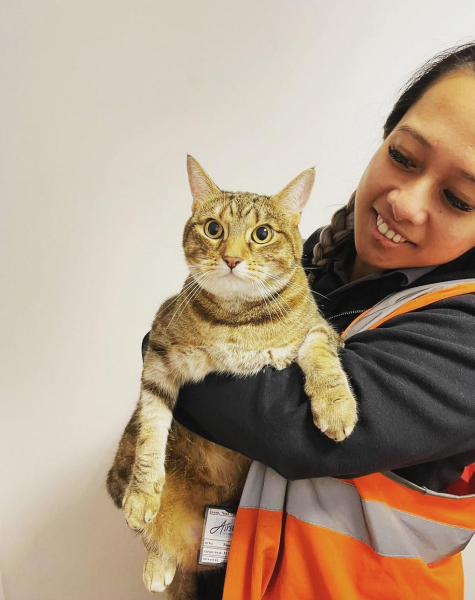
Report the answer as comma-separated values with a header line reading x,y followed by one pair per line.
x,y
245,304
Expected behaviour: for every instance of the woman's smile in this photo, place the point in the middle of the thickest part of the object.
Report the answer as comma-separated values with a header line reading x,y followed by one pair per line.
x,y
384,232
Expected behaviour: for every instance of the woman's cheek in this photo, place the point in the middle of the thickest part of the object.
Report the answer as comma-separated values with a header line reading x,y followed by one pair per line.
x,y
380,174
374,180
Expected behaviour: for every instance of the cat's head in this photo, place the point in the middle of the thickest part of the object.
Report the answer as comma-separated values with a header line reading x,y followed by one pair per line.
x,y
240,244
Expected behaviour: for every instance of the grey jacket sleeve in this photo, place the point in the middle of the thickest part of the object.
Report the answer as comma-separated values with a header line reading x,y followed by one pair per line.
x,y
414,378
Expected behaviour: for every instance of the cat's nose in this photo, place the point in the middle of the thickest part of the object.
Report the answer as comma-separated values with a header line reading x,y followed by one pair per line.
x,y
232,261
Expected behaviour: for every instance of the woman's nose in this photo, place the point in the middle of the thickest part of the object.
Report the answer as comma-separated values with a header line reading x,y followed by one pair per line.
x,y
410,203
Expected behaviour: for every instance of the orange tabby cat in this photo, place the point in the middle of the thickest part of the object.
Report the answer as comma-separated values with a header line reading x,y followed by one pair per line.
x,y
245,304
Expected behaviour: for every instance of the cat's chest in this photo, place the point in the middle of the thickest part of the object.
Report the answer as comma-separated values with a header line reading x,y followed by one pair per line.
x,y
196,363
239,360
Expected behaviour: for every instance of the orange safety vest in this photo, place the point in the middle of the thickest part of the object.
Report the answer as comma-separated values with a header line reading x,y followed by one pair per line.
x,y
376,537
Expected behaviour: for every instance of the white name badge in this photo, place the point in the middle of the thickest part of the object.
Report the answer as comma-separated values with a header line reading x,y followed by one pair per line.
x,y
218,529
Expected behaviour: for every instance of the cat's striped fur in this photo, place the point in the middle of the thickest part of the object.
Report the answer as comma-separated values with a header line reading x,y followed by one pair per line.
x,y
245,304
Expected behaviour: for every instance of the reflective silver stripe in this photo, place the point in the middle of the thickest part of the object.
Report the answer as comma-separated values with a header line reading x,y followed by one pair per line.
x,y
264,488
337,505
391,303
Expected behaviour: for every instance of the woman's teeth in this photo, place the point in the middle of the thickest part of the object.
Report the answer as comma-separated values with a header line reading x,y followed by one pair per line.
x,y
389,233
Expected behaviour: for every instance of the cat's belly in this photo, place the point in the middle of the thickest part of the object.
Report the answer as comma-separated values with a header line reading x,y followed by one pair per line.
x,y
199,473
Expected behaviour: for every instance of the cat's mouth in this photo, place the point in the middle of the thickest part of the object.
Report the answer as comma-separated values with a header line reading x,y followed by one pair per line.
x,y
226,272
232,273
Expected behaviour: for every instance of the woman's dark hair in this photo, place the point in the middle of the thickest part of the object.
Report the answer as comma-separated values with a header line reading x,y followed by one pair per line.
x,y
337,239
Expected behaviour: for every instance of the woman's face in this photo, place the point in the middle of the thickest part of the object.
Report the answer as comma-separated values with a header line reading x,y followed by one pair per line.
x,y
420,184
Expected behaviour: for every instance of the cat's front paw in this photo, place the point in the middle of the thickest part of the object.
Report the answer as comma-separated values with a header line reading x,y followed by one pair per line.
x,y
158,573
336,417
141,506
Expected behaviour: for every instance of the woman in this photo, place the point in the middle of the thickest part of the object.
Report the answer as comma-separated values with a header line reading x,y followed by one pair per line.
x,y
410,223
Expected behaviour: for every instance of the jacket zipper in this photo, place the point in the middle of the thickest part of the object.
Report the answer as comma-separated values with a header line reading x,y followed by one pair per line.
x,y
348,312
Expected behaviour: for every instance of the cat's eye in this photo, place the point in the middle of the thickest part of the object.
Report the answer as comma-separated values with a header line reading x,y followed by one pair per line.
x,y
213,229
262,234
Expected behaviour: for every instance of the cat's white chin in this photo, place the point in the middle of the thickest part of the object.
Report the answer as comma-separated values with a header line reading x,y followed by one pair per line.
x,y
232,287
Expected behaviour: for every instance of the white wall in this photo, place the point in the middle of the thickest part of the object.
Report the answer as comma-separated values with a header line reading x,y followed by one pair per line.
x,y
100,102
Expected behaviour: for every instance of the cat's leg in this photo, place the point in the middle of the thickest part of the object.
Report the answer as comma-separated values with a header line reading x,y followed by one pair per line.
x,y
173,538
333,405
120,472
158,394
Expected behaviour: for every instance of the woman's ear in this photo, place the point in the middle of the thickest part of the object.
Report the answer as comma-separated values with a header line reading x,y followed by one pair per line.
x,y
201,184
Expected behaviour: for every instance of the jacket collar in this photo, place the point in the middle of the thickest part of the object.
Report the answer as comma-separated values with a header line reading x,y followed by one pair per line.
x,y
462,267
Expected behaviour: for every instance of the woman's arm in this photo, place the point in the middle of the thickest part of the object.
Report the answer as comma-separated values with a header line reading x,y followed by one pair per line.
x,y
414,378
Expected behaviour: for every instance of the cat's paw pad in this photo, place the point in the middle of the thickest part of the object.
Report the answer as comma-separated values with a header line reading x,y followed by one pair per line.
x,y
338,416
140,508
158,573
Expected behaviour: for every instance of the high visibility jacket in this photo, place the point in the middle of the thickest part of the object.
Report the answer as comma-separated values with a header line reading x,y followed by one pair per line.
x,y
376,537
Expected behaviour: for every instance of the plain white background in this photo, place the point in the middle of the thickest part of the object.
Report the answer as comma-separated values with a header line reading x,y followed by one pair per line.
x,y
100,102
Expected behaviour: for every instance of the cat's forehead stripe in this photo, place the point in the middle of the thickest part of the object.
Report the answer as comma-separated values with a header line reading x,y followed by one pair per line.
x,y
241,205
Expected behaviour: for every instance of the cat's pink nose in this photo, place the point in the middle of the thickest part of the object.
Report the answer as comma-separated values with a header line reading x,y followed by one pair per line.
x,y
232,261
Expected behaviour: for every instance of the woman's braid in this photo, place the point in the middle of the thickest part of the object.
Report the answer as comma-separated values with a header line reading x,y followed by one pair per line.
x,y
338,237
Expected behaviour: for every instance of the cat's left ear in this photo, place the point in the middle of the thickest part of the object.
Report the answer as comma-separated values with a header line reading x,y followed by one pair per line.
x,y
295,196
201,185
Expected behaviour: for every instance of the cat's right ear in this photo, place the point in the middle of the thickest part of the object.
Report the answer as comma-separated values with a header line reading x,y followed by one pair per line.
x,y
201,184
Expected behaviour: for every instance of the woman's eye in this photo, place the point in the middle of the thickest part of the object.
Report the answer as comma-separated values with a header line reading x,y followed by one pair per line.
x,y
213,229
400,158
454,201
262,234
406,163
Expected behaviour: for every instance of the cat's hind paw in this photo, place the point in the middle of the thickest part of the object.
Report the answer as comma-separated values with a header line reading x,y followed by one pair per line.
x,y
158,573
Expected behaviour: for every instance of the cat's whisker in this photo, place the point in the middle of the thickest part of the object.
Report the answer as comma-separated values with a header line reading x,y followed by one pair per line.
x,y
273,296
193,294
180,249
185,290
286,313
200,266
199,280
289,284
281,298
302,291
295,284
188,295
305,290
257,283
282,310
278,292
276,296
193,285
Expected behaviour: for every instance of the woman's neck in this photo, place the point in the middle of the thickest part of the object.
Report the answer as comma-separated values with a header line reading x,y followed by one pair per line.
x,y
360,269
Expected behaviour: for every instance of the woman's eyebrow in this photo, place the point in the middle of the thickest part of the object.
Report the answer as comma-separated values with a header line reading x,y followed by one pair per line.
x,y
416,135
468,176
420,138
